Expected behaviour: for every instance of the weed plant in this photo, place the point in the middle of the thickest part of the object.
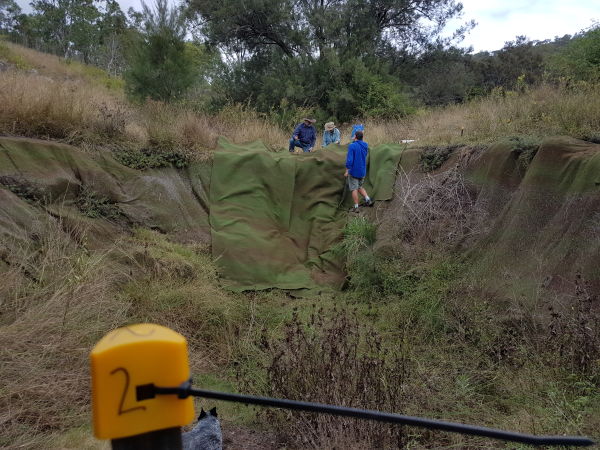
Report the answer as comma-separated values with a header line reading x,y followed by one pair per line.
x,y
575,332
332,357
94,205
24,188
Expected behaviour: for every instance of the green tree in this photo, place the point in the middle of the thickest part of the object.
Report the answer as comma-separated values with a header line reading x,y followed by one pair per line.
x,y
580,58
67,27
310,27
161,66
112,28
332,55
9,16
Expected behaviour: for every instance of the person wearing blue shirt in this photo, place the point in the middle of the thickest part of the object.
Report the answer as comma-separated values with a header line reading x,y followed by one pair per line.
x,y
331,135
356,169
304,136
358,126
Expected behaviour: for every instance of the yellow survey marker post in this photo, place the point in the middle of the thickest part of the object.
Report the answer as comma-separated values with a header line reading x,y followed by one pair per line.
x,y
132,356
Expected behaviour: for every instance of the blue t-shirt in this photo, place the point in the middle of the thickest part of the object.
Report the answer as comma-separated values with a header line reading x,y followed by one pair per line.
x,y
356,160
355,128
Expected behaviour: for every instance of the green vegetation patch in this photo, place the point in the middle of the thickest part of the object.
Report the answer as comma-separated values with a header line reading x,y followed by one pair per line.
x,y
152,158
96,75
12,58
24,188
525,147
94,205
432,158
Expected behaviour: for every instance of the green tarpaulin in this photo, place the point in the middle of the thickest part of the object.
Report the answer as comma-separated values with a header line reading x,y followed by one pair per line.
x,y
274,216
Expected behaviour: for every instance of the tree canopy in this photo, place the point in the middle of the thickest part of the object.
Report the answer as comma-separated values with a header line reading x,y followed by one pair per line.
x,y
161,66
330,54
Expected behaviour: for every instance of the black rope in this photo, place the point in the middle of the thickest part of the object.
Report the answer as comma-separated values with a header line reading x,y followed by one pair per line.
x,y
185,390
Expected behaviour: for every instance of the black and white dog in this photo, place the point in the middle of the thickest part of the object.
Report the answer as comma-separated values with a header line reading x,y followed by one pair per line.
x,y
206,435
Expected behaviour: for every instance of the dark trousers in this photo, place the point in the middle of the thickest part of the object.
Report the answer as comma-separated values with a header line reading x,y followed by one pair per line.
x,y
296,143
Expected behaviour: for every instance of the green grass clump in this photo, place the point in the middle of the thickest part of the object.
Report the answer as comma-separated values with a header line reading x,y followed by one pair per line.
x,y
356,248
94,205
152,158
359,233
432,158
13,58
178,287
525,147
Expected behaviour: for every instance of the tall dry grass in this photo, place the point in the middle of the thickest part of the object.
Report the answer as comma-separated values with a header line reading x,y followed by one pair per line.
x,y
71,111
76,104
543,111
58,298
91,116
56,301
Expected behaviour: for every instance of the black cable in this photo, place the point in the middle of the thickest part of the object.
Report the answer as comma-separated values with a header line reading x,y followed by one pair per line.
x,y
185,390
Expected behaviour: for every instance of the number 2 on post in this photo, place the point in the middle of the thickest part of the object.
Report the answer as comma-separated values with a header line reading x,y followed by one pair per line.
x,y
135,355
124,395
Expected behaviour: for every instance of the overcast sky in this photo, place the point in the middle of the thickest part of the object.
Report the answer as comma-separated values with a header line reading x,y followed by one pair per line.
x,y
499,21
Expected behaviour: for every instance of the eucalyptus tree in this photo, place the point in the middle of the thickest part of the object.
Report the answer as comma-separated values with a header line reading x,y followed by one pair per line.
x,y
335,55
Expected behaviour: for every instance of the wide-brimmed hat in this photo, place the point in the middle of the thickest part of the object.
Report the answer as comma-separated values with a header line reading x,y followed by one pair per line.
x,y
329,126
309,120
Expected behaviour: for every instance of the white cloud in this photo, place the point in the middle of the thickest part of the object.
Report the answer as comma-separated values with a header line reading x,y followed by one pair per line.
x,y
502,20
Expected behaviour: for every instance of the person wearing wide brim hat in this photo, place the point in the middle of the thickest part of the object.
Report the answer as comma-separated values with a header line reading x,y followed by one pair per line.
x,y
331,135
305,136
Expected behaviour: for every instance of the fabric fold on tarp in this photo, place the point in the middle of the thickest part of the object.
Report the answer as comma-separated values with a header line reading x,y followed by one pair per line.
x,y
275,216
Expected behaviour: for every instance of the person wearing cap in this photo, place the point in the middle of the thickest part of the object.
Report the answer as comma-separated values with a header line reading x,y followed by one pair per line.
x,y
358,126
304,136
331,135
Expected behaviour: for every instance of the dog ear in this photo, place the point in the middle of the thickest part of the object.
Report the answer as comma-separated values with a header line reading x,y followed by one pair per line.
x,y
213,412
202,414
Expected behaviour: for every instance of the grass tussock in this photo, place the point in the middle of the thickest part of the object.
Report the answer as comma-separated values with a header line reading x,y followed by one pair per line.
x,y
178,287
56,301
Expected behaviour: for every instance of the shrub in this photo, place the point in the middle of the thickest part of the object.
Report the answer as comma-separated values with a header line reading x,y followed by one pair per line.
x,y
151,158
332,358
438,209
94,205
161,66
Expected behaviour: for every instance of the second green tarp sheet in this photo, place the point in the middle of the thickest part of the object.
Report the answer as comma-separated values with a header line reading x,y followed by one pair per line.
x,y
275,216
